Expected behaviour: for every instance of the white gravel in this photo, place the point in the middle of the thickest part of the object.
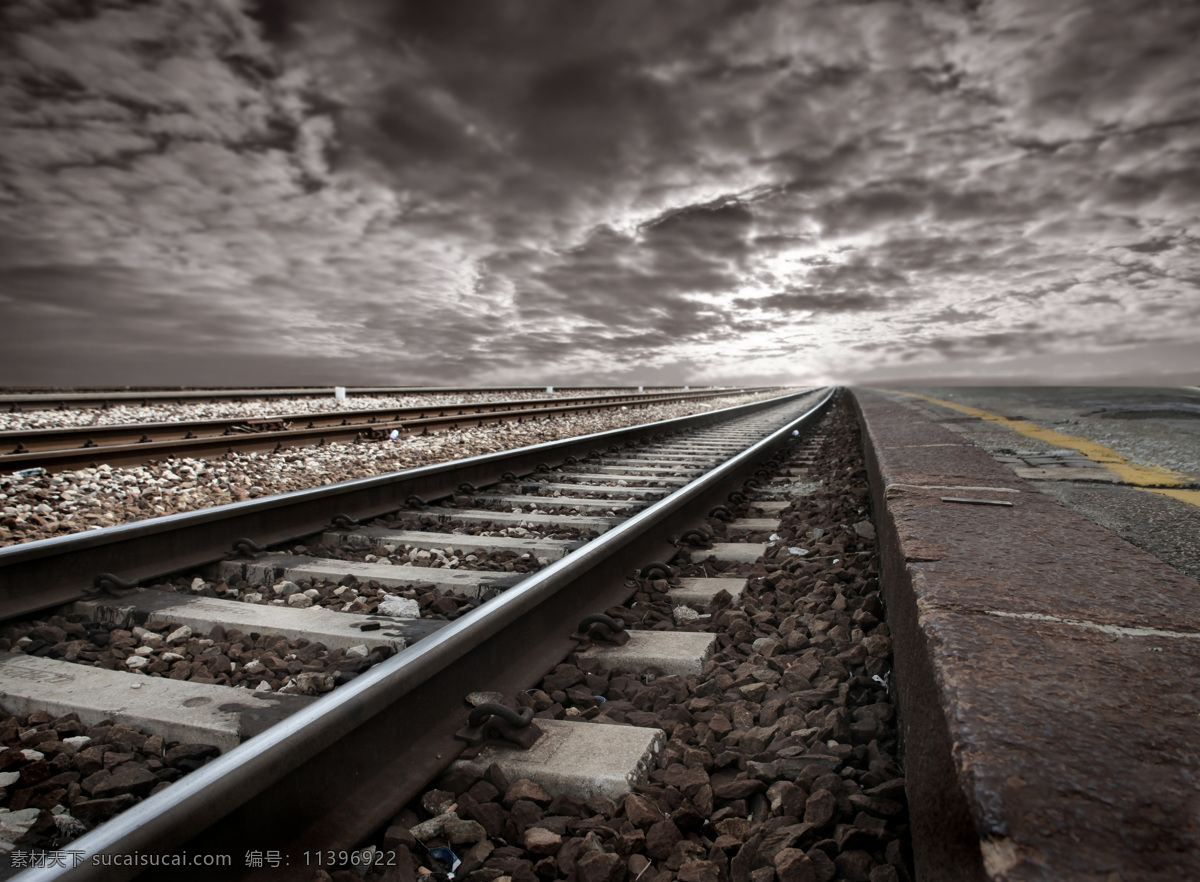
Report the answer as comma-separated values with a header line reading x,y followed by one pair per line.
x,y
47,505
120,414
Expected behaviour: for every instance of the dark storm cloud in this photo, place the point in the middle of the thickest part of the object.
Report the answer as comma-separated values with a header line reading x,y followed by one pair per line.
x,y
533,189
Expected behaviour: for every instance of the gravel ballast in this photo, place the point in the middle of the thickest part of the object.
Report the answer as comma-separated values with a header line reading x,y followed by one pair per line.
x,y
40,506
122,414
60,778
780,761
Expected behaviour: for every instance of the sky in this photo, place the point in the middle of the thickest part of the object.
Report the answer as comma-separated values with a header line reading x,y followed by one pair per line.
x,y
228,192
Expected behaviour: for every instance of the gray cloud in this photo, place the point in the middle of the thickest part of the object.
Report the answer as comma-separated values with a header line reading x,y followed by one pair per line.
x,y
530,189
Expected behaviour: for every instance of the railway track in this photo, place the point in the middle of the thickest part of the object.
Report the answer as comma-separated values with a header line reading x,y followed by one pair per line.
x,y
59,399
62,449
503,619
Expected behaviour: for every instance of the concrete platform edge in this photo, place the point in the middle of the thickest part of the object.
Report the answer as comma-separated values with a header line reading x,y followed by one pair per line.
x,y
1039,744
945,839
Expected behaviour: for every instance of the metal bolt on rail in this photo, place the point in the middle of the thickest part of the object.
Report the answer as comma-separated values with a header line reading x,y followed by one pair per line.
x,y
492,721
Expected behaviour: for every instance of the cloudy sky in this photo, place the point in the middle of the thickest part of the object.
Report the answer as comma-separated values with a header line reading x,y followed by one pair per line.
x,y
576,191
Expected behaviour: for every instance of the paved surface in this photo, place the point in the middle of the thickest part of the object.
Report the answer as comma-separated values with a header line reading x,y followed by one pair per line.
x,y
1044,668
1122,457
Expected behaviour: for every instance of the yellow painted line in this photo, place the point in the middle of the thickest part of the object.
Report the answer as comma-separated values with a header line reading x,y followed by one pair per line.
x,y
1191,497
1150,477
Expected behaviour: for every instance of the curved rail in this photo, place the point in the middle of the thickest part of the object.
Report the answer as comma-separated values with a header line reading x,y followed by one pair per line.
x,y
333,772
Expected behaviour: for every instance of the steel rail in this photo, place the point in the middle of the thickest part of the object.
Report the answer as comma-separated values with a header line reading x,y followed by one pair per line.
x,y
20,401
66,436
76,446
64,567
334,772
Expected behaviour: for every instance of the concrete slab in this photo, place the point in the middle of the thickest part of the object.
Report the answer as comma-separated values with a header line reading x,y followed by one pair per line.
x,y
768,506
619,475
753,525
601,489
222,716
580,502
460,543
696,459
270,568
700,592
1043,669
578,759
337,630
703,448
648,470
734,552
599,523
673,652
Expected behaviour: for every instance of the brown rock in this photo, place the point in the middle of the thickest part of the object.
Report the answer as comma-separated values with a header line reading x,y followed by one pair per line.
x,y
462,832
93,811
34,737
661,839
91,782
738,828
481,791
699,871
854,865
687,817
878,645
526,789
637,865
491,815
640,811
190,757
688,781
526,814
882,808
600,867
539,840
129,778
125,738
631,842
739,789
474,857
784,837
36,772
793,865
565,804
90,760
884,873
685,852
792,799
601,805
820,808
823,865
49,799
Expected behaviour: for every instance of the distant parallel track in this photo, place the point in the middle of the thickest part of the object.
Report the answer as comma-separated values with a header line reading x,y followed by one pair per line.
x,y
64,399
62,449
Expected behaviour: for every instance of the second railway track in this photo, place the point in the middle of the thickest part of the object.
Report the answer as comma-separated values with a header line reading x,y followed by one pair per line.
x,y
59,449
507,588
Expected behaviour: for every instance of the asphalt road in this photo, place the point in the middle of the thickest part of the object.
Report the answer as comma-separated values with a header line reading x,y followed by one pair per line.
x,y
1126,458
